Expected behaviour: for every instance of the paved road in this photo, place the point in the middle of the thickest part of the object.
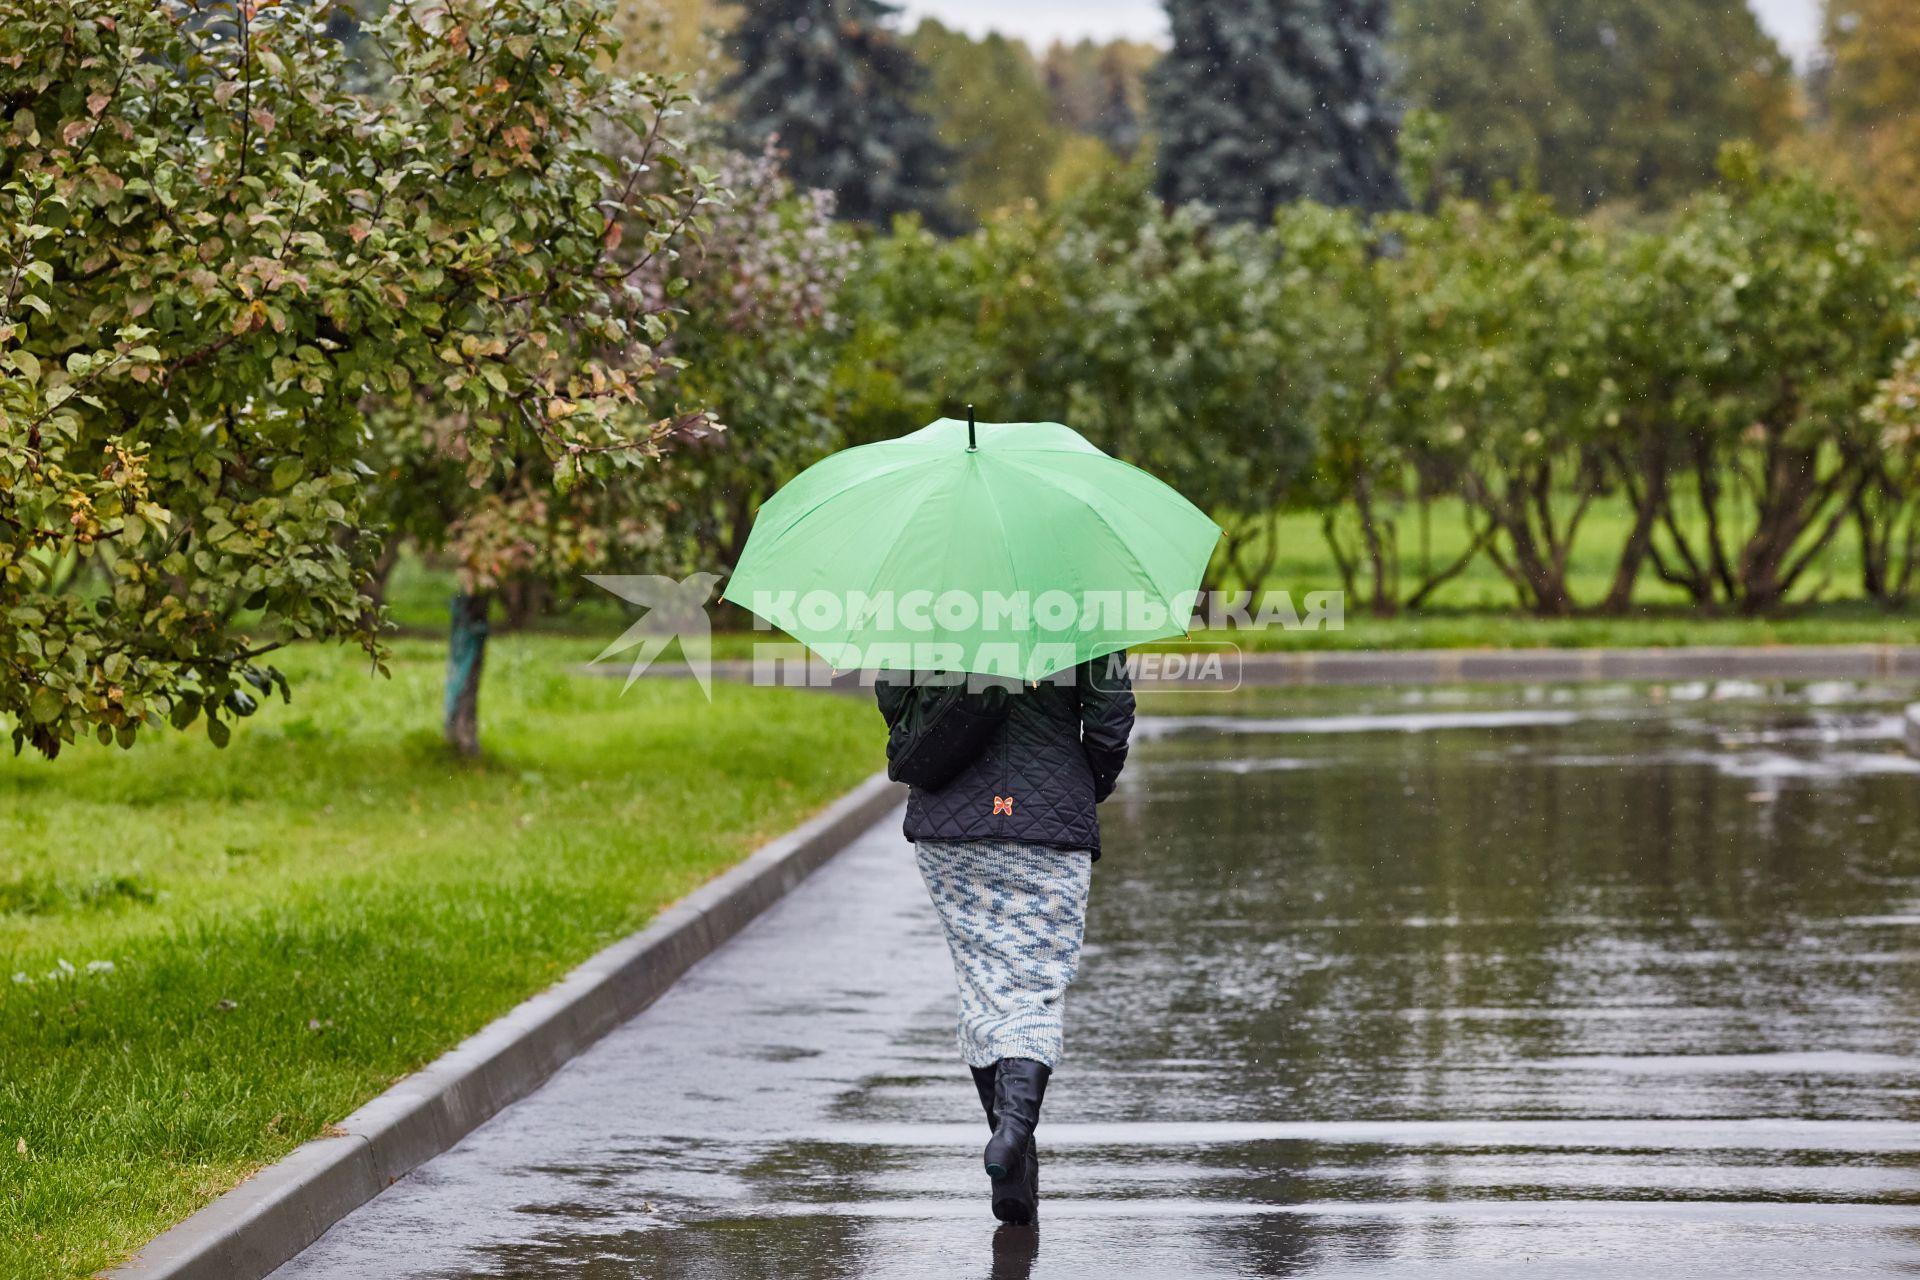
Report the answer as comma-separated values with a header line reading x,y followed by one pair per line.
x,y
769,1088
1406,1097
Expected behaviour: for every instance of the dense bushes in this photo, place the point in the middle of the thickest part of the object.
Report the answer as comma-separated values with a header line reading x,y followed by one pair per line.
x,y
1160,336
218,261
1722,374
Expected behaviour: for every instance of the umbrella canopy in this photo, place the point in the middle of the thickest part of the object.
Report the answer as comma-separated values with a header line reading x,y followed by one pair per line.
x,y
1017,549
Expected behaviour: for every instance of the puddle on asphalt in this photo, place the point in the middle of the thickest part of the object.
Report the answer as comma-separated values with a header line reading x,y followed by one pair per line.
x,y
1523,982
1421,913
1150,727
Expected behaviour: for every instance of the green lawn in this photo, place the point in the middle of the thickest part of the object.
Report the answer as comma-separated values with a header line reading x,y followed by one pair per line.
x,y
1305,564
1845,622
1474,611
214,955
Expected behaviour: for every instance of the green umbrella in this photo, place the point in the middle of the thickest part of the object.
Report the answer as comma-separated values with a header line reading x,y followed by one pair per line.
x,y
1016,550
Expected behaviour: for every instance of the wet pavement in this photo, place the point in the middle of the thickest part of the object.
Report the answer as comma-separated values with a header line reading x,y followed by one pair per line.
x,y
1519,982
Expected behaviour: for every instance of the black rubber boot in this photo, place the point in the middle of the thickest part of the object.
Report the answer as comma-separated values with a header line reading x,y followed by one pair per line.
x,y
983,1083
1016,1200
1012,1160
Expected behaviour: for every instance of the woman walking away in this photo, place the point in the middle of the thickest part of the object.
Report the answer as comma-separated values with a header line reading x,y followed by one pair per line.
x,y
1003,822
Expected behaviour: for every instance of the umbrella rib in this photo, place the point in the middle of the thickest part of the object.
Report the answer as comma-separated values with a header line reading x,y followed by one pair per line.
x,y
1127,546
836,494
1006,543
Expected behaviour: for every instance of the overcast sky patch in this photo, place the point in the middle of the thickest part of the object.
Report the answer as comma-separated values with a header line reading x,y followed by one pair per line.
x,y
1794,23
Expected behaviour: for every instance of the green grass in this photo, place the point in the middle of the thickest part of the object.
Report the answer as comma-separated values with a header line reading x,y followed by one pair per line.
x,y
1474,611
1841,623
296,923
1477,611
418,593
1306,565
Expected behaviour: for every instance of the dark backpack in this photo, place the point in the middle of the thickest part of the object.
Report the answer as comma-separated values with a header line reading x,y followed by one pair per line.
x,y
942,729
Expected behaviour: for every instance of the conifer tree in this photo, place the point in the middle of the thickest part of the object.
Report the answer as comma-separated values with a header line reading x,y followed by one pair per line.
x,y
837,85
1116,123
1260,102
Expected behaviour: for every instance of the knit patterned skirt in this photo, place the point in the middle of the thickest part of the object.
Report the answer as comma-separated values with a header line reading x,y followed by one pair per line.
x,y
1014,916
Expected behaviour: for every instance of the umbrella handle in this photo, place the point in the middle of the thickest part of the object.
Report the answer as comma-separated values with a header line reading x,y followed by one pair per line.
x,y
971,446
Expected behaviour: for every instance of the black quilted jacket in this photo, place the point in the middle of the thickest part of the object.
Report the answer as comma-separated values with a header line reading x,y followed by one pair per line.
x,y
1058,755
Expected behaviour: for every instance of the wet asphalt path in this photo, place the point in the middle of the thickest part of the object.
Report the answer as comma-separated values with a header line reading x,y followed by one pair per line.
x,y
1663,1016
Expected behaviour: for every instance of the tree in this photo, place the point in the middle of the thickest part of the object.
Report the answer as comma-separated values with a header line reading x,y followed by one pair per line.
x,y
1148,330
754,343
1647,92
1461,356
1100,90
679,37
1098,94
758,345
519,527
1872,62
1487,66
1372,459
1260,102
216,258
991,112
840,91
1776,317
1592,100
1886,511
1502,377
1116,121
1867,135
1716,372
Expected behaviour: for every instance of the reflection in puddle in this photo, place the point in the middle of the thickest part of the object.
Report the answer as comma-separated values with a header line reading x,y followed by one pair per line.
x,y
1759,765
1399,722
1560,932
1454,983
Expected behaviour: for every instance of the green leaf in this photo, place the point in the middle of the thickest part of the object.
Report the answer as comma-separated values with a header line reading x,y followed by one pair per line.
x,y
287,472
46,705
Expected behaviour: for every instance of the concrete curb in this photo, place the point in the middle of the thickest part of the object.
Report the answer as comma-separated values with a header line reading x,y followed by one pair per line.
x,y
1506,666
1441,666
253,1229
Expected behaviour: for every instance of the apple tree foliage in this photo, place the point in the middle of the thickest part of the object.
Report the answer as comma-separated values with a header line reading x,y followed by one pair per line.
x,y
218,259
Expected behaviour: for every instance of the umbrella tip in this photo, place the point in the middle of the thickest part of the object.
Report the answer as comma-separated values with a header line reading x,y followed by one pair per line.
x,y
972,446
